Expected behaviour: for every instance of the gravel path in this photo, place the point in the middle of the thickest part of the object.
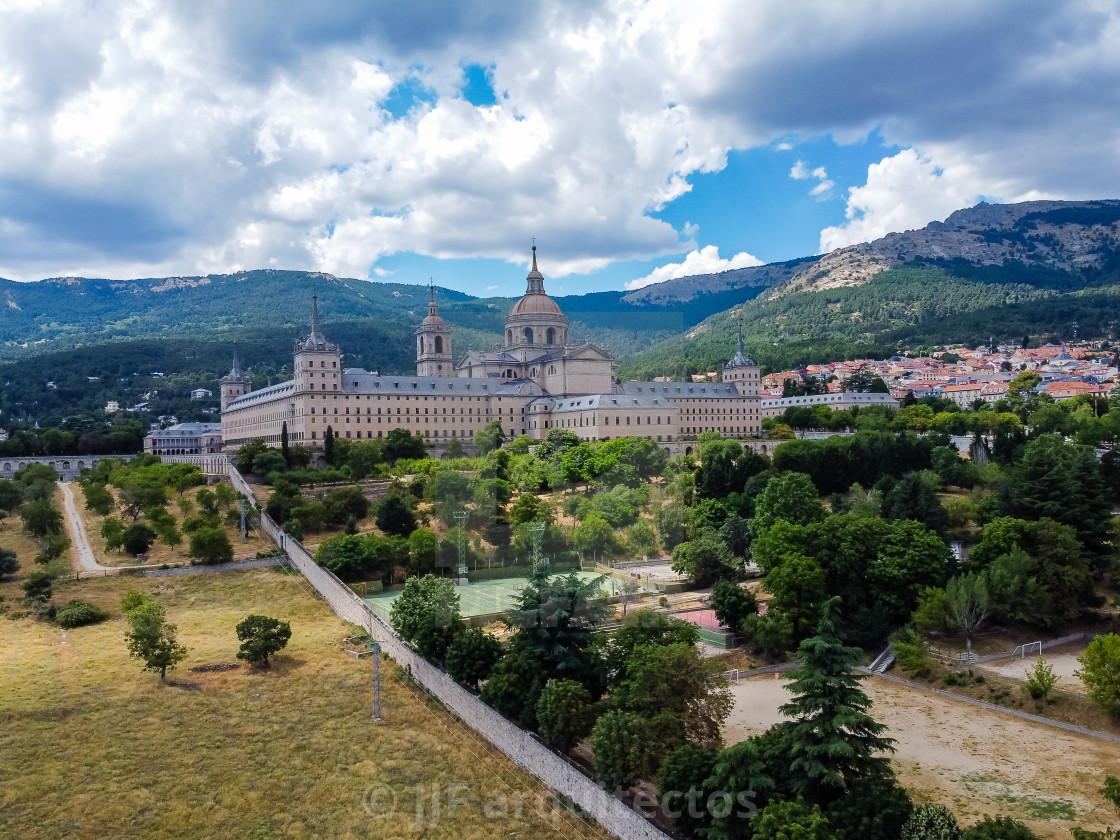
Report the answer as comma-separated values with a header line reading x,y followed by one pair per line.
x,y
78,533
255,563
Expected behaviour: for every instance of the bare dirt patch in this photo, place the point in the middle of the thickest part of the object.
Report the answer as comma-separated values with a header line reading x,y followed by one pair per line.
x,y
972,760
1062,659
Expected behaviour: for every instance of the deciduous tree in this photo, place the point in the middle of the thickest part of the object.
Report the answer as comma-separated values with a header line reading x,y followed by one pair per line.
x,y
261,637
1100,671
472,656
152,639
564,714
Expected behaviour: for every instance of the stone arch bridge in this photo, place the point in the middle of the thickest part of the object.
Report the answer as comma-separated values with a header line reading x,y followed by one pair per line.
x,y
69,467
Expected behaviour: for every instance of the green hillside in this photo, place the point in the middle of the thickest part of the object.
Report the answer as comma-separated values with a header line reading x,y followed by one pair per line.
x,y
918,304
69,313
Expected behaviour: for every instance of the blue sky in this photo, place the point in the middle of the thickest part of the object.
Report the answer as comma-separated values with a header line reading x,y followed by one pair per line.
x,y
637,141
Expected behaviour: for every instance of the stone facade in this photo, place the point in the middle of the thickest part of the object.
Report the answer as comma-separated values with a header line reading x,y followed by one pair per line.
x,y
185,439
839,401
537,381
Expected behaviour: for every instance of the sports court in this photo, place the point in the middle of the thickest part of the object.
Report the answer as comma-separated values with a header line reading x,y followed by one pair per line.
x,y
481,598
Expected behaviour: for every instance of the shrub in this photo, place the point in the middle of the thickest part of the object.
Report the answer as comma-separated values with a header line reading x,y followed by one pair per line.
x,y
910,651
998,828
78,614
784,820
39,589
9,565
931,822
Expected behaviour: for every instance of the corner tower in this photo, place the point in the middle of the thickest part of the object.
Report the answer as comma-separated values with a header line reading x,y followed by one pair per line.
x,y
318,363
536,319
742,371
433,343
235,383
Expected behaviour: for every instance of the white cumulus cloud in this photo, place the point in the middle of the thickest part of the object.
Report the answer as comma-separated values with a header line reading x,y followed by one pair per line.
x,y
801,172
704,261
908,191
184,137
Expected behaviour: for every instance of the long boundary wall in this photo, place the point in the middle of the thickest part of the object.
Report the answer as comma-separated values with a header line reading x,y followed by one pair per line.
x,y
530,755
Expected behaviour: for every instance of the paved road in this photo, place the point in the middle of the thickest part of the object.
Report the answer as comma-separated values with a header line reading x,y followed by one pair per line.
x,y
78,533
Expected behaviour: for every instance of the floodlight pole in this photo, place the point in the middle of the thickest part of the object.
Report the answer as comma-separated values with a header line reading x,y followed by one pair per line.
x,y
461,521
537,532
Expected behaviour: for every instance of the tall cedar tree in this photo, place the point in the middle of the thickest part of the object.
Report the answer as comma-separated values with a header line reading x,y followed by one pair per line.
x,y
285,450
554,616
832,741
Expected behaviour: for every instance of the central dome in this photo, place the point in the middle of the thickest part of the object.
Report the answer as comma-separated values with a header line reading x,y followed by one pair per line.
x,y
536,303
536,318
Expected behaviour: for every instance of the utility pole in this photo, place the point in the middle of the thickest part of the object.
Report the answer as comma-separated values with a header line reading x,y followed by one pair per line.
x,y
376,681
243,530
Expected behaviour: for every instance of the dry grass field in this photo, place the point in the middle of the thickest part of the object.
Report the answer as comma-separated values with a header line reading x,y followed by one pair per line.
x,y
93,747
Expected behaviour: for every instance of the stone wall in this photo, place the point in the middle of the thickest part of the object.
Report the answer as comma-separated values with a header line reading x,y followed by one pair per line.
x,y
529,754
68,467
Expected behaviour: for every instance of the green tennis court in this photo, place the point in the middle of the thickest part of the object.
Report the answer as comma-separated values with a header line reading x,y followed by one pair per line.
x,y
482,598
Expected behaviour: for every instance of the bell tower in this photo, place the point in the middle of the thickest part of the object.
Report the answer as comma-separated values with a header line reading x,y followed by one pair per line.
x,y
433,342
318,363
235,383
742,371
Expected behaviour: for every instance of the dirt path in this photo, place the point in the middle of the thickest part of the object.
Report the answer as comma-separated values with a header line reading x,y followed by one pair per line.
x,y
974,761
78,536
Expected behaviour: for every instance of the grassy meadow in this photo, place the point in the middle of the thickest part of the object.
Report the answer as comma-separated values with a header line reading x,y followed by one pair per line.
x,y
94,747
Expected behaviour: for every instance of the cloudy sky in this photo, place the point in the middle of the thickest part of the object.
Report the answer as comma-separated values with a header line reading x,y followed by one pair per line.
x,y
637,141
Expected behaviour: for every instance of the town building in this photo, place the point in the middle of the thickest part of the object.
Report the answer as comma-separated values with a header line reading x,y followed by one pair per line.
x,y
539,379
839,401
185,439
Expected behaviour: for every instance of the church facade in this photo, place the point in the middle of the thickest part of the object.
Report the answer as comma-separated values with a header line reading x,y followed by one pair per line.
x,y
539,379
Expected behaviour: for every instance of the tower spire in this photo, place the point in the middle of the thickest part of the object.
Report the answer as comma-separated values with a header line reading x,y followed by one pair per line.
x,y
432,298
535,280
316,327
235,371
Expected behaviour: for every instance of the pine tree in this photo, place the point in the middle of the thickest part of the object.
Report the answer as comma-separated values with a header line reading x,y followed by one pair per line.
x,y
832,741
284,448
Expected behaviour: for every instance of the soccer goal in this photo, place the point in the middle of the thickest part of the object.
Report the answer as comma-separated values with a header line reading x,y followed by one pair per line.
x,y
1023,650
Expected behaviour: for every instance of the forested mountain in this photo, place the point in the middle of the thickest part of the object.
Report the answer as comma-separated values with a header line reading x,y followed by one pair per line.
x,y
65,313
1044,269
